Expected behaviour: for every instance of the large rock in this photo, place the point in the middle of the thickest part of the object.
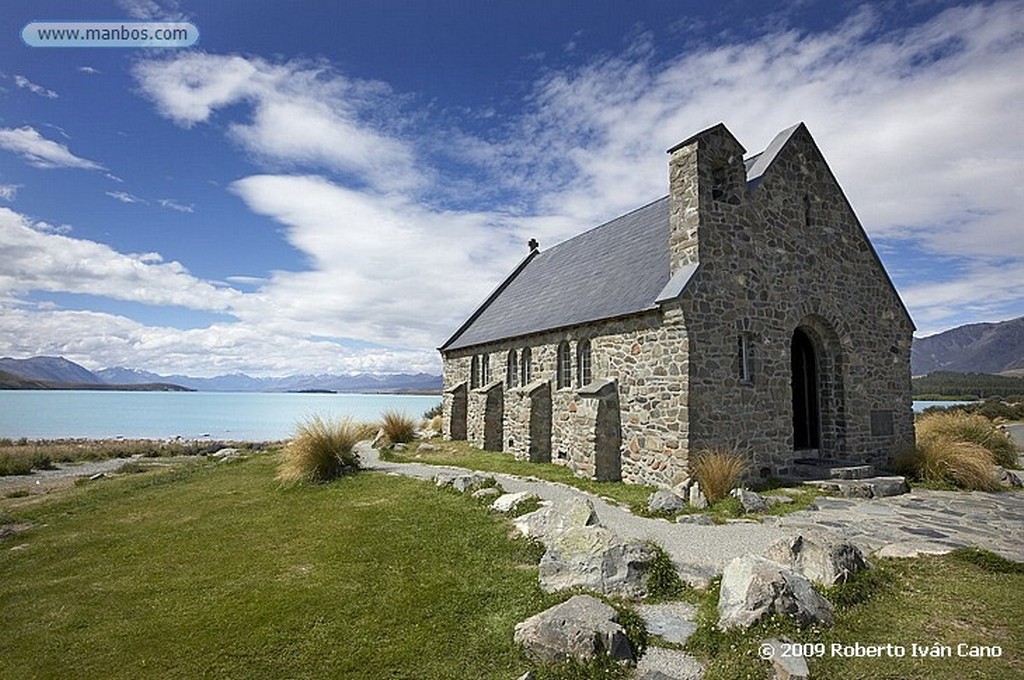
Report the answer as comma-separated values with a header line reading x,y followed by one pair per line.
x,y
594,558
754,587
551,520
580,628
463,481
664,500
820,558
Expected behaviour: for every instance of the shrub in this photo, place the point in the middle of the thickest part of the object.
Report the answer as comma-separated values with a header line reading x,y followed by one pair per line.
x,y
972,428
432,412
966,465
663,582
398,427
718,471
321,450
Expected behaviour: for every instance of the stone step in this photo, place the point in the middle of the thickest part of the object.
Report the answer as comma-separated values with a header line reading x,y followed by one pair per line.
x,y
820,468
870,487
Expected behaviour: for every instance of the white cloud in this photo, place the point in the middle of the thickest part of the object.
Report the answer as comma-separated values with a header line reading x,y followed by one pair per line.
x,y
124,197
172,204
9,191
383,268
302,114
168,10
41,152
38,257
26,84
921,127
89,70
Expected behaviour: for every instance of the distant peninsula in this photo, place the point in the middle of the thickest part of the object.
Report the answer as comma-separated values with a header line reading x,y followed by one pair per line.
x,y
9,381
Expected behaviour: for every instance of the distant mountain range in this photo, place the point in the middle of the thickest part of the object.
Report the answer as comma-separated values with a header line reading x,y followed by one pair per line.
x,y
975,348
59,373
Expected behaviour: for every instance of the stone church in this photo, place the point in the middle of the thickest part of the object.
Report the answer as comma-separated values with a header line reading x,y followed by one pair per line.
x,y
746,310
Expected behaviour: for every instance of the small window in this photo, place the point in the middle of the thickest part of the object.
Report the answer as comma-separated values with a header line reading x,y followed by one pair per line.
x,y
564,370
512,370
474,372
525,369
745,363
584,374
485,369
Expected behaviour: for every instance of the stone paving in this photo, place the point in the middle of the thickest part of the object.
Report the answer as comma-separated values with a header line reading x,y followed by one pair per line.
x,y
922,521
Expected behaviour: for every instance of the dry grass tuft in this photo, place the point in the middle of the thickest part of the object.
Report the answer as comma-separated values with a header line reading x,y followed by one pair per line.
x,y
957,426
321,450
398,427
718,471
966,465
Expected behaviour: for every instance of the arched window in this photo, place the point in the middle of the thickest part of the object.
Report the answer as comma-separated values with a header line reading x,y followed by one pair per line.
x,y
564,370
525,369
584,374
485,369
512,369
474,372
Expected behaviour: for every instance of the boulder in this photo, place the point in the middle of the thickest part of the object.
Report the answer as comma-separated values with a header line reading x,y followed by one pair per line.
x,y
664,500
463,481
751,502
547,522
580,628
509,502
754,587
821,558
595,558
696,497
379,439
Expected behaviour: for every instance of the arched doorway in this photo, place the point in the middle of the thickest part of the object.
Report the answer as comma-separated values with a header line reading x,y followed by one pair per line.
x,y
806,392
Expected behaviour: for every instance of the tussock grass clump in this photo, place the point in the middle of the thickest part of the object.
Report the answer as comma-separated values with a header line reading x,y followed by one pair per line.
x,y
321,450
718,471
398,427
965,465
973,428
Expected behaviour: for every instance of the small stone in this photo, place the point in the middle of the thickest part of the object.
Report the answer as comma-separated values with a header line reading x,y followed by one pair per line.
x,y
672,621
697,498
664,500
789,666
509,502
751,502
98,475
700,520
424,448
486,492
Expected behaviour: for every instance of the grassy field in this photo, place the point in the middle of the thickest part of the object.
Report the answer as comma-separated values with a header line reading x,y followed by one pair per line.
x,y
216,571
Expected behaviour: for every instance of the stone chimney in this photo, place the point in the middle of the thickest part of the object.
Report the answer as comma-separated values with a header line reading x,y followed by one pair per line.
x,y
706,177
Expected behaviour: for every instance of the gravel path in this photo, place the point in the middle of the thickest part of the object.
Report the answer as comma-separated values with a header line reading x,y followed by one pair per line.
x,y
700,552
922,521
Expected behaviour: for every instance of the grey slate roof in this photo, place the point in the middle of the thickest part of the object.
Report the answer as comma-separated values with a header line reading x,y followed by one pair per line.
x,y
618,268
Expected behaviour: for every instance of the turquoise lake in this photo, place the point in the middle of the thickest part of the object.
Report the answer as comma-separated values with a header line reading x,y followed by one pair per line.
x,y
243,416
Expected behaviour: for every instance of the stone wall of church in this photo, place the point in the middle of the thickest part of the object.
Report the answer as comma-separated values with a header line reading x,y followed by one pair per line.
x,y
788,254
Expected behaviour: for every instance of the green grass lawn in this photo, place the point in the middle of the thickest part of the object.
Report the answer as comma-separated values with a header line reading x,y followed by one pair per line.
x,y
216,571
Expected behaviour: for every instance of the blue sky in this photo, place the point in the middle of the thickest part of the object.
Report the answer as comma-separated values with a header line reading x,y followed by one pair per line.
x,y
333,187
